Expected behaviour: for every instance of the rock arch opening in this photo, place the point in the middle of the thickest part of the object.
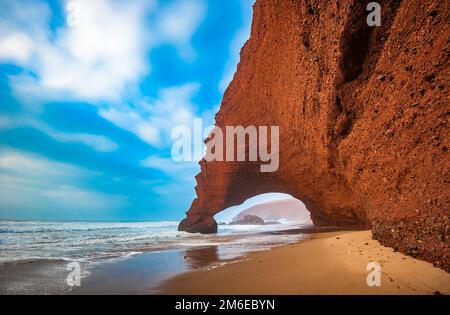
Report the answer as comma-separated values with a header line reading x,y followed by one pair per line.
x,y
266,209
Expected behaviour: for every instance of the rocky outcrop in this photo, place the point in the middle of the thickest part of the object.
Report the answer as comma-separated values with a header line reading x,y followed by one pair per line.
x,y
363,115
285,209
248,219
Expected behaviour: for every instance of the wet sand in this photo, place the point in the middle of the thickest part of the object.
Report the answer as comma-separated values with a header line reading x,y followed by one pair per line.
x,y
33,277
141,274
331,262
137,275
328,263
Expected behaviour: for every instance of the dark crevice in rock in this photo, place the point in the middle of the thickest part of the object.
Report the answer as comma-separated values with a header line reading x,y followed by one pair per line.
x,y
355,42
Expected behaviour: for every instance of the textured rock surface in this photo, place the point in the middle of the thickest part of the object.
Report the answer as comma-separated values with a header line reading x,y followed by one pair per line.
x,y
363,115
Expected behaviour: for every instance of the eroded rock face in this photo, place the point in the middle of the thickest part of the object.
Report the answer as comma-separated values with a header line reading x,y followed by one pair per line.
x,y
363,115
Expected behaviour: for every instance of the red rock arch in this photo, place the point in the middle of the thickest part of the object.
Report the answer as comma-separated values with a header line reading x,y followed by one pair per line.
x,y
362,129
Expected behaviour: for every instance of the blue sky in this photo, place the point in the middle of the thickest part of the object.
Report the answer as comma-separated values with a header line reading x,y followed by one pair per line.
x,y
89,93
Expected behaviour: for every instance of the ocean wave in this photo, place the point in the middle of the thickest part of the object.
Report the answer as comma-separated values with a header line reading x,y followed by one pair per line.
x,y
52,227
93,241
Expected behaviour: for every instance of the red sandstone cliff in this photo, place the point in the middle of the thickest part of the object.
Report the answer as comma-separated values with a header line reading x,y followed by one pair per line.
x,y
363,115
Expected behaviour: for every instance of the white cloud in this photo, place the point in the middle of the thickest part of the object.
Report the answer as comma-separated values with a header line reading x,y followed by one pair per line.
x,y
99,54
173,107
179,19
236,44
181,175
5,122
178,22
35,166
82,199
132,121
31,182
153,121
170,167
94,60
97,142
15,47
22,27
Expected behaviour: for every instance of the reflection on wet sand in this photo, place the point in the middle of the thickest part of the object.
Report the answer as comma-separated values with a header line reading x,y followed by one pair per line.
x,y
144,273
202,257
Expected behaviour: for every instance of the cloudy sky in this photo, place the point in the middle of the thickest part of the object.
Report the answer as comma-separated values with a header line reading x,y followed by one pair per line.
x,y
89,93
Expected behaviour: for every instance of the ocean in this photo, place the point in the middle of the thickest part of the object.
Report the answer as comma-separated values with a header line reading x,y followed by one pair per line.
x,y
49,246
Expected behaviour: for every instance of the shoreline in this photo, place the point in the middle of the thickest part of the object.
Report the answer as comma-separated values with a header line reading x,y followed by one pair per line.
x,y
323,261
140,273
327,263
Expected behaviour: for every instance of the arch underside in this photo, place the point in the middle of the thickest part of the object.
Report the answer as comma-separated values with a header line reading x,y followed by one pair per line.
x,y
244,181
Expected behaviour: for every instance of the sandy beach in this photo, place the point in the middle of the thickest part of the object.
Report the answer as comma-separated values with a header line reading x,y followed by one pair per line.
x,y
318,261
328,263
